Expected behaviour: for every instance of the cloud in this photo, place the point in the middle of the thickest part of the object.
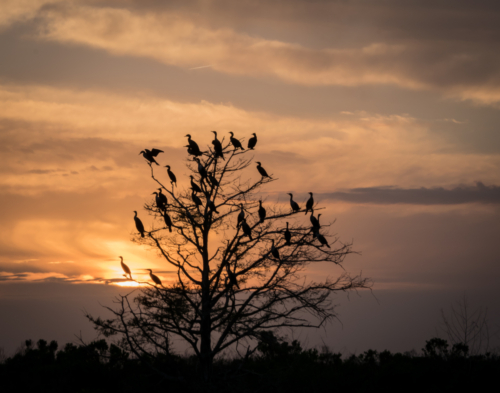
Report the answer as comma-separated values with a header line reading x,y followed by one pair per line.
x,y
396,48
419,196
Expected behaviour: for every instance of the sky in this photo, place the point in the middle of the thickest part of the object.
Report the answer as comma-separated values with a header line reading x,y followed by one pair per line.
x,y
388,111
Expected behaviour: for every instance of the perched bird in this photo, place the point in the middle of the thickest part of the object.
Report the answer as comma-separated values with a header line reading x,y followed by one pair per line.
x,y
235,142
213,181
163,199
211,206
138,224
168,221
217,147
241,215
310,203
195,150
201,169
262,212
151,154
196,153
246,229
160,199
274,251
171,175
196,199
154,277
295,206
252,141
261,170
288,235
322,240
194,186
314,222
232,277
125,268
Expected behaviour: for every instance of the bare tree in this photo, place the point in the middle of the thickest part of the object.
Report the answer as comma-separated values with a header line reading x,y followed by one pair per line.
x,y
235,277
468,327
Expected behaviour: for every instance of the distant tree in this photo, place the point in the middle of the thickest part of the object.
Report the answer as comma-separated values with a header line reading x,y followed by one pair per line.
x,y
236,274
466,329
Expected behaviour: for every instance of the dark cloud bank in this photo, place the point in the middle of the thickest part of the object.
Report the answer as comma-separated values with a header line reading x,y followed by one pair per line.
x,y
479,193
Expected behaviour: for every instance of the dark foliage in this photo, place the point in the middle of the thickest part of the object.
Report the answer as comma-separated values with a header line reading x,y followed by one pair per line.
x,y
278,366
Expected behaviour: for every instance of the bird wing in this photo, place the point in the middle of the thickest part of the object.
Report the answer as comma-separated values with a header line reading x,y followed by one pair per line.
x,y
155,152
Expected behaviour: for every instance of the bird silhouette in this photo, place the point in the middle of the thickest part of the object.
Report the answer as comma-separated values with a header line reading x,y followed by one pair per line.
x,y
288,235
154,277
151,154
235,142
171,175
138,224
295,206
194,186
196,200
274,251
232,277
314,222
217,147
261,170
246,229
168,221
322,240
195,150
201,169
213,181
310,203
125,268
262,212
252,141
241,215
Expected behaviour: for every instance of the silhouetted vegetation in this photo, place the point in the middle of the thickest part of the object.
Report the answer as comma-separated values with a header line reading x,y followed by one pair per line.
x,y
277,366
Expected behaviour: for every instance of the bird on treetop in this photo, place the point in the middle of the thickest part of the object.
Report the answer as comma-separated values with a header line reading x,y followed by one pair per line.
x,y
150,155
154,277
252,141
235,142
310,203
171,175
261,170
295,206
125,268
138,224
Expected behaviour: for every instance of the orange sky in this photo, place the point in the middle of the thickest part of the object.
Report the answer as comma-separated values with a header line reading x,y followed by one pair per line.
x,y
390,114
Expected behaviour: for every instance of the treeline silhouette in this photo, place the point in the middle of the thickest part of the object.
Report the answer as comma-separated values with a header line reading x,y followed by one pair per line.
x,y
277,366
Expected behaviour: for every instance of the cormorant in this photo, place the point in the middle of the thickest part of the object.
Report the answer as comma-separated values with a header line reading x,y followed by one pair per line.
x,y
232,277
196,200
261,170
262,212
241,215
246,229
154,277
274,251
138,224
168,221
171,175
310,203
295,206
126,269
160,199
322,240
193,153
151,154
314,221
288,235
194,186
201,169
195,150
217,147
252,141
236,143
